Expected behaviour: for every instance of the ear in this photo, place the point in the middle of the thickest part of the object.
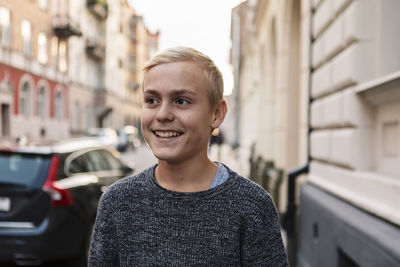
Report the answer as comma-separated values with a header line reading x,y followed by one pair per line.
x,y
219,113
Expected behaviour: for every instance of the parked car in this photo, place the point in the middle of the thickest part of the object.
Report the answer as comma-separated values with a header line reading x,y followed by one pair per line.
x,y
106,136
128,138
49,197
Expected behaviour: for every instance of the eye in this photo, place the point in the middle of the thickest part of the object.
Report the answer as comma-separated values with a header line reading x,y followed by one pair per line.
x,y
151,100
182,101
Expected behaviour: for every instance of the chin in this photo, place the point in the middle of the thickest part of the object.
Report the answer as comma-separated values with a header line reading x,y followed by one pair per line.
x,y
167,157
171,160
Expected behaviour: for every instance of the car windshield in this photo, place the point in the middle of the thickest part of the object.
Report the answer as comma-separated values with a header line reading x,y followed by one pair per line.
x,y
22,169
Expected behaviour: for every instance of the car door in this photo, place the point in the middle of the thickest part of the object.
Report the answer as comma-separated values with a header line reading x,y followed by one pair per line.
x,y
76,175
108,168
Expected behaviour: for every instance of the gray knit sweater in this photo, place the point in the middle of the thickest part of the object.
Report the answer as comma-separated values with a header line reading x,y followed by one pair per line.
x,y
139,223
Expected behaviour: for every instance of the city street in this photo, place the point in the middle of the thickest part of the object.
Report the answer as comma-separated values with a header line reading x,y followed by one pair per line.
x,y
141,158
312,89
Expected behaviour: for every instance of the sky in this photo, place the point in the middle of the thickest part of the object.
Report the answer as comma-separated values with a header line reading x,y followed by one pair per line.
x,y
201,24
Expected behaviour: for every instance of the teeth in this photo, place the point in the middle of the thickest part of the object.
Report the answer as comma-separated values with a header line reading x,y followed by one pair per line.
x,y
167,134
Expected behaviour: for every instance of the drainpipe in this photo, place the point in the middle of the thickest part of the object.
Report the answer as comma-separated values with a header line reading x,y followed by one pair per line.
x,y
290,221
290,218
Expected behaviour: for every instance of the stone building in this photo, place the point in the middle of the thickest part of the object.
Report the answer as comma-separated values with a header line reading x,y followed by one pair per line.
x,y
106,80
319,85
87,57
272,84
144,46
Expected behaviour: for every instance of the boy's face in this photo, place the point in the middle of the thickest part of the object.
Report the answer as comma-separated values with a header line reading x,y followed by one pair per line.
x,y
177,117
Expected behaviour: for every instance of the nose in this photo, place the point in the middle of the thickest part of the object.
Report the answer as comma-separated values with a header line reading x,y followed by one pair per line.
x,y
165,113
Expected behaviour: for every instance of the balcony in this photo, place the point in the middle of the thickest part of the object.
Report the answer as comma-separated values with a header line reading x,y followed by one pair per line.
x,y
95,50
99,8
64,27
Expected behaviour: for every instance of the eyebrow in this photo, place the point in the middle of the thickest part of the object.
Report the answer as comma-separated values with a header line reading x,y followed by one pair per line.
x,y
173,92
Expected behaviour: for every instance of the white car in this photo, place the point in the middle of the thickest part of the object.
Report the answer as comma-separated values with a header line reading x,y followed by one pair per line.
x,y
128,138
106,136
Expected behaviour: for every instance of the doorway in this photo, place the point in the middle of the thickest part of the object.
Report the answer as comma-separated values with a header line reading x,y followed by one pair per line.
x,y
5,120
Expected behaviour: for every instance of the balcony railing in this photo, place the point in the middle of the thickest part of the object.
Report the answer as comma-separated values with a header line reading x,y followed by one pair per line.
x,y
64,27
95,49
99,8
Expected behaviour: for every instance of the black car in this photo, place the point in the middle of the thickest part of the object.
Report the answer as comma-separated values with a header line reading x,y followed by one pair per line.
x,y
49,198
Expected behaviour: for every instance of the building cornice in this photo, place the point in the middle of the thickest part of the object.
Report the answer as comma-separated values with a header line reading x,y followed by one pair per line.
x,y
16,60
382,90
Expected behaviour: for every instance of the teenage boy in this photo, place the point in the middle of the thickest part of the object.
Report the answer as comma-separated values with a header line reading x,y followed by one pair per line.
x,y
186,210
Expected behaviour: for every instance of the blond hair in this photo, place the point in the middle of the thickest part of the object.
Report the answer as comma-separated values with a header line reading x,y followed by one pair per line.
x,y
180,53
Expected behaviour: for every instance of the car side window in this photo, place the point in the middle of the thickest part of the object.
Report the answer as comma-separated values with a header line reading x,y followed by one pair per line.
x,y
98,161
79,164
61,172
115,163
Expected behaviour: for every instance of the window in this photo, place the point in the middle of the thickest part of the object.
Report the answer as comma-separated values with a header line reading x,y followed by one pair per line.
x,y
26,31
5,27
132,29
41,103
54,50
88,117
63,56
77,116
79,165
22,169
97,161
132,63
24,100
43,4
115,164
42,48
58,105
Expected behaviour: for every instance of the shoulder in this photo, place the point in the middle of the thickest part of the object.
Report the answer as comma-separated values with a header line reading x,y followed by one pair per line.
x,y
250,194
128,185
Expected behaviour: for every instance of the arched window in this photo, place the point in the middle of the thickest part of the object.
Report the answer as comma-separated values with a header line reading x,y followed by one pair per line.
x,y
89,119
41,103
58,105
25,100
77,116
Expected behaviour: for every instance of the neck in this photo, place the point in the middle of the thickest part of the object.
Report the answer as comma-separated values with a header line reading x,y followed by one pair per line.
x,y
186,177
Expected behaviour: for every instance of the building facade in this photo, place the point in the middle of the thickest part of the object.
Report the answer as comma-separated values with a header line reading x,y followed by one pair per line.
x,y
106,87
319,86
34,91
66,66
87,57
272,85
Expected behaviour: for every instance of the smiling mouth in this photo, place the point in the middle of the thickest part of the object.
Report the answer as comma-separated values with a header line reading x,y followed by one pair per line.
x,y
167,134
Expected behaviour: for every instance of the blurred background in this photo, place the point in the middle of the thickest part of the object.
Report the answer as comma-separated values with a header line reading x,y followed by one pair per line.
x,y
313,92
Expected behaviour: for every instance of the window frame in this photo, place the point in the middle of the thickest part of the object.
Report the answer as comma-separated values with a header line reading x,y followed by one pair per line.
x,y
42,51
26,40
5,29
24,99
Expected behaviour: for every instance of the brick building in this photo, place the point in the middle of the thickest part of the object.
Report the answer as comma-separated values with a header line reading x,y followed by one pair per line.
x,y
33,65
66,66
